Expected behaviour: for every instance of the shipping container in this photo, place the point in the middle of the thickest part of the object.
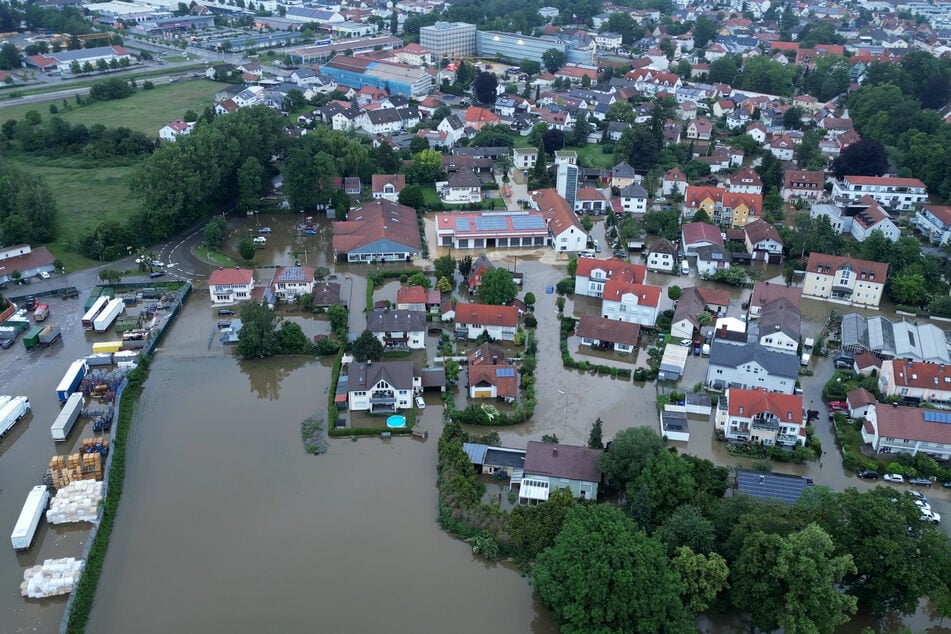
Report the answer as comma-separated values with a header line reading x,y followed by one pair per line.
x,y
102,358
93,311
14,409
50,334
94,296
30,516
32,338
67,417
108,315
20,324
75,374
106,346
41,312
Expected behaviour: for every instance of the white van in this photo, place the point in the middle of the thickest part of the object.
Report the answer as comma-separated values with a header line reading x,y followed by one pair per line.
x,y
684,267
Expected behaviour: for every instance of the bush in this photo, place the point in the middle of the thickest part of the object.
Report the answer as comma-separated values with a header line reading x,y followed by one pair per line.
x,y
565,286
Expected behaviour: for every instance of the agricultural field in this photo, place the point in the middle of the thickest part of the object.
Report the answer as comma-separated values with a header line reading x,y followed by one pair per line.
x,y
146,111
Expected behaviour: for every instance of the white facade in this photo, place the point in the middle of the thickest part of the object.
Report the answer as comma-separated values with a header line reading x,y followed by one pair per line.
x,y
628,307
897,193
657,261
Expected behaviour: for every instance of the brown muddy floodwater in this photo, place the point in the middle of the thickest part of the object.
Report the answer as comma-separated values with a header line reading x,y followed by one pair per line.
x,y
226,524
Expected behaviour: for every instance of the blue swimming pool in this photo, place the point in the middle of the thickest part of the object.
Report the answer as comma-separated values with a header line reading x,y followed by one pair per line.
x,y
396,421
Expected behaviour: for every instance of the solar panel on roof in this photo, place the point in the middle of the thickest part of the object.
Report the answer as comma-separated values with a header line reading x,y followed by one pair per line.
x,y
528,222
293,274
490,223
934,416
462,224
501,373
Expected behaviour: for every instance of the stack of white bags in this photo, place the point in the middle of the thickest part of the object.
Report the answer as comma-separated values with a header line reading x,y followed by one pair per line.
x,y
54,577
76,502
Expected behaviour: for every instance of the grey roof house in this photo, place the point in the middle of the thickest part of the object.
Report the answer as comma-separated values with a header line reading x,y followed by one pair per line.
x,y
750,366
398,328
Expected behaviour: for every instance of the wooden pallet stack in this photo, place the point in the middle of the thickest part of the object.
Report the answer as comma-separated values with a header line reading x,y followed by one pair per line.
x,y
64,470
96,444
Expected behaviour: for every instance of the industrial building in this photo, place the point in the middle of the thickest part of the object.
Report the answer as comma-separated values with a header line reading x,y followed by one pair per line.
x,y
512,46
396,79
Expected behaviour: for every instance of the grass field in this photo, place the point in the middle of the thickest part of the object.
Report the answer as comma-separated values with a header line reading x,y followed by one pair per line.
x,y
145,111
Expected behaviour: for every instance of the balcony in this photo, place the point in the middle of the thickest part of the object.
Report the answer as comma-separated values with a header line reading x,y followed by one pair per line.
x,y
766,424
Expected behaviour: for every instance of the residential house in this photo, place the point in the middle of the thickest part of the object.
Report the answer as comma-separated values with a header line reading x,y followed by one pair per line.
x,y
623,175
388,186
844,280
490,460
778,326
555,466
379,231
765,292
700,129
763,241
523,158
662,256
490,375
229,286
783,147
916,381
477,118
480,266
887,339
604,333
860,402
633,303
591,275
761,417
417,299
694,301
472,320
462,187
711,259
745,181
751,366
674,182
325,295
174,129
858,219
633,199
911,430
453,130
722,206
803,185
934,222
564,229
401,329
381,386
695,235
901,194
352,185
589,200
290,282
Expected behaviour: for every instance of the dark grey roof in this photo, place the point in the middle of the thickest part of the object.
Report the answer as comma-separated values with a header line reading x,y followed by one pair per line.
x,y
433,377
399,374
712,253
326,294
623,170
674,421
689,306
780,315
562,461
384,115
482,152
733,355
396,321
663,246
464,178
504,457
771,486
633,191
698,399
454,122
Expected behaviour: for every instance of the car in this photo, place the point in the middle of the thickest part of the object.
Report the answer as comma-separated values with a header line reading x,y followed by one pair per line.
x,y
157,264
745,305
924,507
868,474
597,248
25,280
155,274
930,516
946,484
225,312
264,230
260,240
420,403
44,275
696,350
844,363
618,253
925,482
223,323
838,406
6,343
894,477
917,495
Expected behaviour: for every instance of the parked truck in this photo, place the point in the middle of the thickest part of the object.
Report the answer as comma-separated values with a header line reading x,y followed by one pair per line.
x,y
41,312
67,417
93,311
75,373
108,315
49,334
32,338
807,346
11,413
30,516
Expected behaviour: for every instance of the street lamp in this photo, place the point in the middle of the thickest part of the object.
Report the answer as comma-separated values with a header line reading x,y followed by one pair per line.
x,y
562,392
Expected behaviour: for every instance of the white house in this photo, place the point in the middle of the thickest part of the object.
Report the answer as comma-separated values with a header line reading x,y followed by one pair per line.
x,y
674,182
861,402
229,286
751,366
564,229
399,328
778,327
472,320
935,223
783,147
761,417
632,303
633,199
763,241
462,187
381,386
711,259
916,381
592,274
388,186
844,280
175,129
858,219
523,158
290,282
897,193
694,235
599,332
890,429
662,256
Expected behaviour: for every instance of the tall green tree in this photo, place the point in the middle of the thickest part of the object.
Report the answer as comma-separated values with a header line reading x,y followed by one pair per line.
x,y
445,266
553,59
246,249
702,576
628,454
214,231
497,287
602,575
595,440
367,347
250,181
534,528
257,338
484,87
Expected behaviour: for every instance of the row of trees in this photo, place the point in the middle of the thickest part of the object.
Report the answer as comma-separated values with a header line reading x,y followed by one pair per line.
x,y
28,212
55,137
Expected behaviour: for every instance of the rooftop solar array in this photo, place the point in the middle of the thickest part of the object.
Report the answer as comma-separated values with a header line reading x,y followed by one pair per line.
x,y
501,373
490,223
462,224
934,416
528,222
770,486
293,274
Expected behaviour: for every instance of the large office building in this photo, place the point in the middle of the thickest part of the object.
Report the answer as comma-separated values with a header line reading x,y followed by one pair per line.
x,y
449,39
514,47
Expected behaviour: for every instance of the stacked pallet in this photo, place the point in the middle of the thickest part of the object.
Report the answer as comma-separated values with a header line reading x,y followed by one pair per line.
x,y
97,444
64,470
52,578
76,502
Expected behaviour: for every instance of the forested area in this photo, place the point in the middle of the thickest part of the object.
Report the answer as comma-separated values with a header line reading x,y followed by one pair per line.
x,y
673,546
28,212
55,137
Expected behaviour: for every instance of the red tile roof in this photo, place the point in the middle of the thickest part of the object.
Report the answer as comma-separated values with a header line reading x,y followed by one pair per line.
x,y
562,461
231,277
749,403
714,297
411,295
909,423
860,397
505,385
764,293
486,315
922,375
867,360
614,268
875,271
884,181
940,212
557,212
378,181
375,221
695,232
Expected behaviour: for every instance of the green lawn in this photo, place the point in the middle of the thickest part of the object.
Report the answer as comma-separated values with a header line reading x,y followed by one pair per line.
x,y
145,111
592,152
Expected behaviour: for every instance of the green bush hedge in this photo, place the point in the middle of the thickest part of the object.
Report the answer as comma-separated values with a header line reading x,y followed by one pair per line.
x,y
343,432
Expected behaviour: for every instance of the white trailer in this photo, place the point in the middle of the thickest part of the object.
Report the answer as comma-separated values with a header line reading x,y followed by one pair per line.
x,y
25,529
67,417
107,317
93,311
12,412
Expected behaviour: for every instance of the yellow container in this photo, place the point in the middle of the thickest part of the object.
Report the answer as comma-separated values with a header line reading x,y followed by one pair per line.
x,y
107,346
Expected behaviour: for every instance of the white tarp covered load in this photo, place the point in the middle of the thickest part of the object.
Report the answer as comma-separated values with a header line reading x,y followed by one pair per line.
x,y
54,577
78,501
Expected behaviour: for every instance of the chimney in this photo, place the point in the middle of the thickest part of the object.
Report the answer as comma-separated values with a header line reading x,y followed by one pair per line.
x,y
495,360
554,451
